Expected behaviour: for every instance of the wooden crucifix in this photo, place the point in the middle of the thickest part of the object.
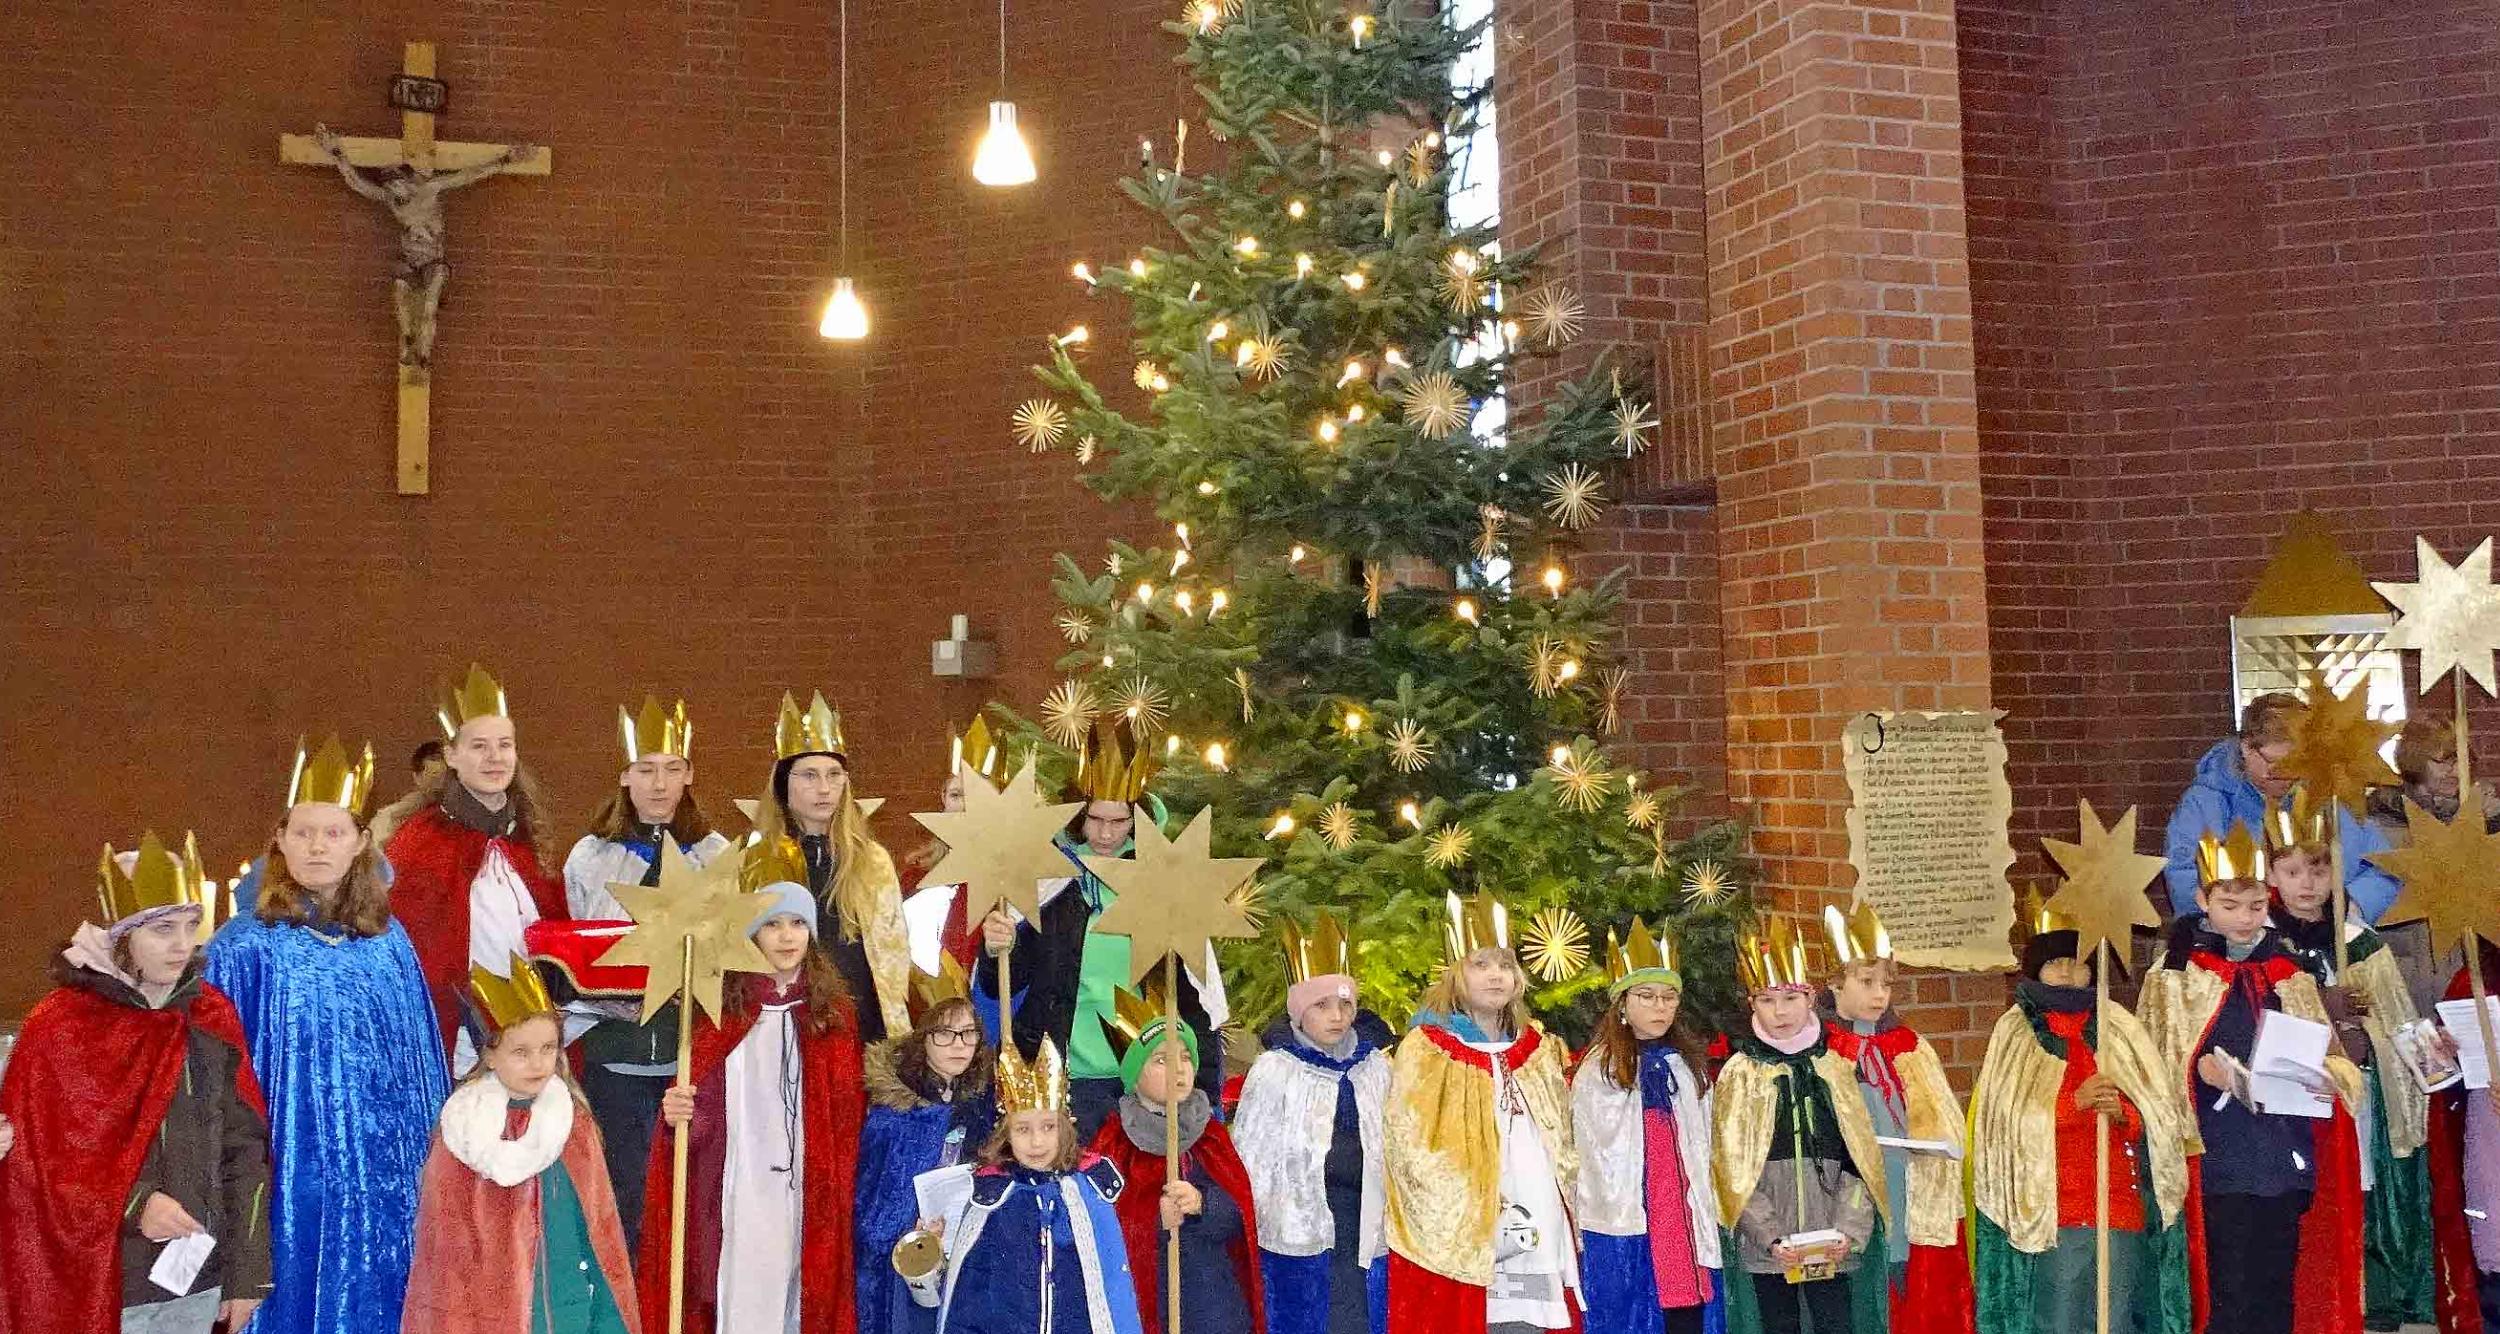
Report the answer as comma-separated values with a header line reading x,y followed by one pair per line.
x,y
408,176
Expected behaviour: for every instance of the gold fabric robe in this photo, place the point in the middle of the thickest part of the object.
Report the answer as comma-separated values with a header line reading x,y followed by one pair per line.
x,y
2013,1146
1745,1117
1442,1150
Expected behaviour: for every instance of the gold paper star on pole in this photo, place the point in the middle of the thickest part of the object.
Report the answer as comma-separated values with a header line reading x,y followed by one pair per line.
x,y
2450,614
2103,889
2335,746
698,904
1174,897
998,847
2447,871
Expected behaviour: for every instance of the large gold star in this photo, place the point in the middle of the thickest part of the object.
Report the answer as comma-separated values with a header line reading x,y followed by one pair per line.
x,y
2335,746
1173,897
2450,614
998,847
2448,871
697,906
2103,889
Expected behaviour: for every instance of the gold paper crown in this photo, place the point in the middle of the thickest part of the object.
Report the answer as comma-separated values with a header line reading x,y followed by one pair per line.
x,y
480,696
975,748
1773,957
771,858
815,732
2299,822
1857,936
2032,919
159,880
655,731
1469,925
946,985
1323,951
1629,960
327,775
1106,774
1038,1086
502,1002
2233,856
1135,1017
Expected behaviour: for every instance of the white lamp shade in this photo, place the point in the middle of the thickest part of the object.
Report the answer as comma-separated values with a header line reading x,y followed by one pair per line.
x,y
846,317
1003,157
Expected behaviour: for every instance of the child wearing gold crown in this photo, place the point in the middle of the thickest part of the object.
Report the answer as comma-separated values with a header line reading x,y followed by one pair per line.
x,y
1925,1287
2370,1002
1641,1117
1800,1178
334,1003
144,1125
1309,1128
2056,1063
2274,1237
930,1106
517,1227
773,1105
1479,1158
1210,1206
1035,1247
859,898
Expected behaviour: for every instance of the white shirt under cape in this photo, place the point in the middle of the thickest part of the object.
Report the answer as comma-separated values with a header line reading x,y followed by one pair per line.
x,y
500,909
1527,1180
764,1163
596,863
1613,1185
1283,1127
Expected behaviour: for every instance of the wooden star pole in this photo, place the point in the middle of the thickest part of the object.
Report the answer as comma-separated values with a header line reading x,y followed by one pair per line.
x,y
690,930
999,848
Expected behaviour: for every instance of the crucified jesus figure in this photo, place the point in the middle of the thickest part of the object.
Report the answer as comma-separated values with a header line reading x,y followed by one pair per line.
x,y
414,197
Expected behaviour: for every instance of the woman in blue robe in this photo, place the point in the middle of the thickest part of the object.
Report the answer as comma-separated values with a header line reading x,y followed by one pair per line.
x,y
929,1106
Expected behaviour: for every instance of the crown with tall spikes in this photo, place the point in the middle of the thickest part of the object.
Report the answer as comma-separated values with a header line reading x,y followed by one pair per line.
x,y
655,730
929,991
1326,950
2033,918
976,748
1039,1085
2232,856
497,1003
479,696
1109,774
818,731
327,775
2299,822
1136,1019
1857,936
1641,959
1469,925
158,880
1774,956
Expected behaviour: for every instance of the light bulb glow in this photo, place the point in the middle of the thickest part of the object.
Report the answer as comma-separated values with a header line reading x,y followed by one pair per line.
x,y
1248,245
1295,556
846,316
1384,157
1217,330
1353,371
1354,413
1003,158
1215,756
1181,531
1076,335
1217,601
1185,602
1296,208
1282,826
1302,266
1561,755
1553,579
1208,13
1171,745
1465,610
1361,26
1162,382
1084,272
1179,559
1411,813
1137,268
1354,281
1243,353
1353,721
1145,592
1395,358
1433,139
1569,671
1207,488
1327,431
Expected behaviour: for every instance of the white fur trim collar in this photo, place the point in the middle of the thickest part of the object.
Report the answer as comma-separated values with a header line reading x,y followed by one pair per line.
x,y
473,1122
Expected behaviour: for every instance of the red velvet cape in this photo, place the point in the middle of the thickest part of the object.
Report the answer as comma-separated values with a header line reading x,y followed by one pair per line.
x,y
1934,1295
2456,1301
477,1243
434,859
87,1088
1141,1215
834,1108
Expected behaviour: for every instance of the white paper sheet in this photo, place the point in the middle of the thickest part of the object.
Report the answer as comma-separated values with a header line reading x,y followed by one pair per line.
x,y
178,1265
2457,1016
2287,1067
943,1192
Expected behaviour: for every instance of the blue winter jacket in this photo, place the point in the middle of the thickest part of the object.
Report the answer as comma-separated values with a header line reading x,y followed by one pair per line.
x,y
2222,794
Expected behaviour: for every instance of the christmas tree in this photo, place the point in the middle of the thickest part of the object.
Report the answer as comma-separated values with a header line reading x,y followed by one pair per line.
x,y
1362,646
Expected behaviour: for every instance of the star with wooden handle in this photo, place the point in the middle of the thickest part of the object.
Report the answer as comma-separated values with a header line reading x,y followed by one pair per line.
x,y
703,904
2449,871
2450,615
2103,889
998,847
2335,746
1174,897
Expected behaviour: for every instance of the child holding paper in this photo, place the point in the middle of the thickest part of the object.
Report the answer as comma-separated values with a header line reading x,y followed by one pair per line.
x,y
2269,1189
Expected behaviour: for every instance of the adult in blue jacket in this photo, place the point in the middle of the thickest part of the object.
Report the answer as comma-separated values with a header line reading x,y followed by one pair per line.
x,y
2237,780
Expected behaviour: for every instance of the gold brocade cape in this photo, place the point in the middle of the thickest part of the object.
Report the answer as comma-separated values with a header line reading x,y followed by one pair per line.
x,y
1745,1116
2013,1117
2177,1008
2408,1108
887,940
1933,1181
1442,1150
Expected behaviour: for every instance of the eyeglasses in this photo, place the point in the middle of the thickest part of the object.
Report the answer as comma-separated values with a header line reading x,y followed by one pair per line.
x,y
954,1037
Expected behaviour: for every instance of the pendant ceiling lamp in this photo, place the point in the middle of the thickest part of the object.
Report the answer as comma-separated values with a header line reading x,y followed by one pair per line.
x,y
1003,159
846,316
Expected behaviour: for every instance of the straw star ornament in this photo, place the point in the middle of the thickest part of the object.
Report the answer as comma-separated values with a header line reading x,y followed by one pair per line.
x,y
699,904
1174,897
998,847
2103,889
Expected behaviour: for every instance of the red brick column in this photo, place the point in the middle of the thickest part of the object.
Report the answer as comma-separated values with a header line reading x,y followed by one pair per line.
x,y
1844,424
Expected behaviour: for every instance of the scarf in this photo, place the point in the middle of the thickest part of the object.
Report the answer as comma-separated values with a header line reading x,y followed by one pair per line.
x,y
1872,1045
1143,1121
475,1118
1657,1076
2038,1000
1348,1052
1795,1044
465,809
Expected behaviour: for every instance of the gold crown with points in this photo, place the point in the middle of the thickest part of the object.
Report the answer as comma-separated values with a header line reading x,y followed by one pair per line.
x,y
929,991
327,775
1326,950
2231,856
2299,821
977,749
1639,958
1135,1017
501,1002
1469,925
1857,936
818,731
1774,956
158,880
1109,774
479,696
655,730
1039,1085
